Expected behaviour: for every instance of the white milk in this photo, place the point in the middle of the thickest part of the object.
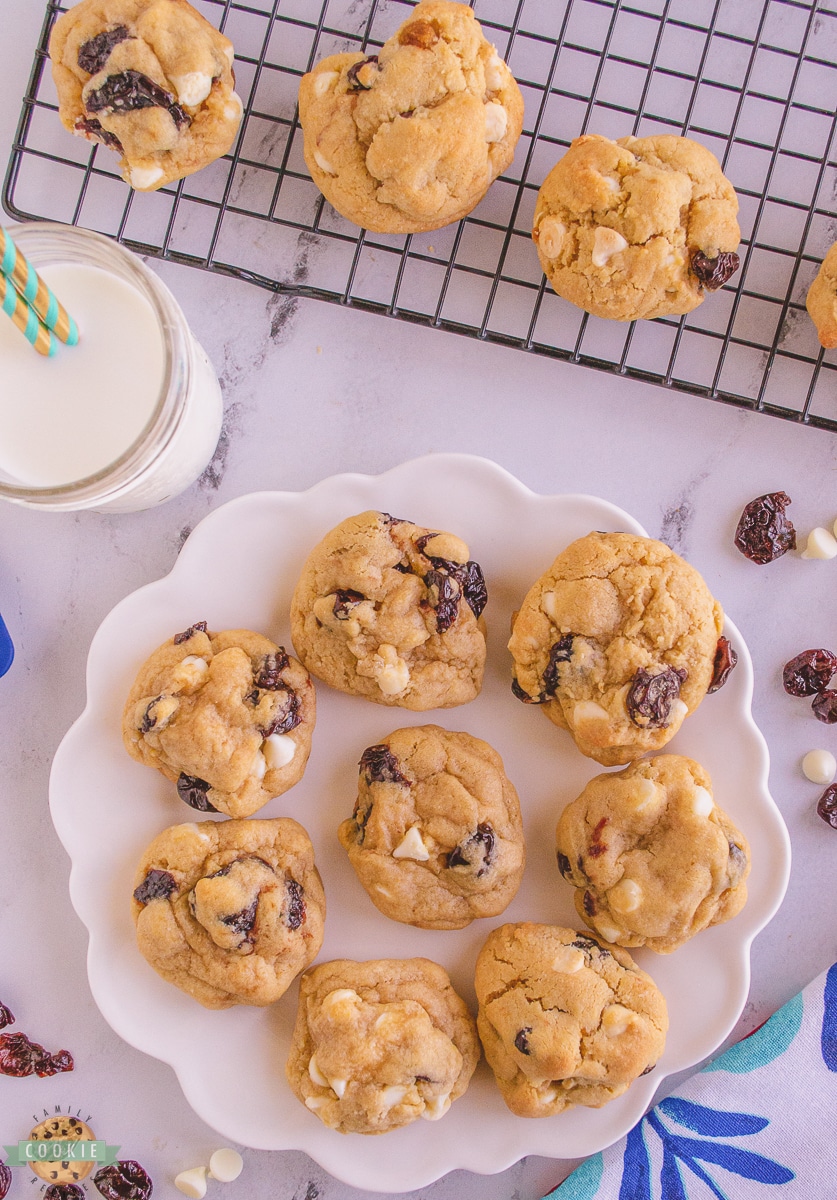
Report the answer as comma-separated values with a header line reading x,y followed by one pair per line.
x,y
71,415
127,418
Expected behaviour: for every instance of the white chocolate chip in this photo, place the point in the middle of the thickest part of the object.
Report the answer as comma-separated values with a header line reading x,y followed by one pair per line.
x,y
548,1093
412,846
625,896
192,88
588,710
819,766
446,545
702,802
820,544
394,674
323,163
496,121
606,243
324,81
225,1165
259,767
229,53
568,960
196,830
609,932
616,1019
834,528
234,107
192,1182
338,1086
437,1107
315,1102
643,793
278,750
390,1096
551,234
678,710
315,1074
494,73
190,672
340,1002
144,177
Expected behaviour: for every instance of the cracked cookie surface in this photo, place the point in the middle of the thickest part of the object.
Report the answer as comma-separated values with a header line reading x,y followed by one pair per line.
x,y
380,1044
616,643
652,857
821,300
392,611
436,837
227,716
150,79
636,228
411,138
230,911
563,1019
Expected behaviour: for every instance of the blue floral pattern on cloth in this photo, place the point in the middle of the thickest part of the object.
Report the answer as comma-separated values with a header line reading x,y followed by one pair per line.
x,y
746,1127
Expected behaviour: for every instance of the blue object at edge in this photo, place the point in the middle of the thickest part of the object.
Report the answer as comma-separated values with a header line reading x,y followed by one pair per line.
x,y
7,649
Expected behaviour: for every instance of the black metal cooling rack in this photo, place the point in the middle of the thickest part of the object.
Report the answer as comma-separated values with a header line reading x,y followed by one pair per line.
x,y
754,80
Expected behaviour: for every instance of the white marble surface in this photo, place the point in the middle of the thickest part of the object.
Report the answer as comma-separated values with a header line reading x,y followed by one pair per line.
x,y
310,390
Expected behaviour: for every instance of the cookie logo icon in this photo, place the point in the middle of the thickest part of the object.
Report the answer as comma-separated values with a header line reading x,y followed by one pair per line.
x,y
64,1129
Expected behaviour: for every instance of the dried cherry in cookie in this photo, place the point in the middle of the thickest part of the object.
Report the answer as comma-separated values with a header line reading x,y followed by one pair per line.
x,y
726,659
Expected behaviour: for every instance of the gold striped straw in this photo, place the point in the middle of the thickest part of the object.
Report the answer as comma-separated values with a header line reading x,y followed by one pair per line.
x,y
26,280
26,319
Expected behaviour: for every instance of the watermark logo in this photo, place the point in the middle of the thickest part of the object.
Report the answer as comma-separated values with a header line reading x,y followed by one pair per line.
x,y
61,1148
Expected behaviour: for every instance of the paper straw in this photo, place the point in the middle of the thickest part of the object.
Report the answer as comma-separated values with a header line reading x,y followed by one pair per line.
x,y
25,317
34,291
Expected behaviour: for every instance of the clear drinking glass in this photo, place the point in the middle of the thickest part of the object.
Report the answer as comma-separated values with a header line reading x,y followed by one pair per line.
x,y
180,435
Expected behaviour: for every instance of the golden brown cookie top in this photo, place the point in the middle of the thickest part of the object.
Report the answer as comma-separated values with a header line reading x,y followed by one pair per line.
x,y
563,1019
821,300
230,911
616,642
227,716
411,138
639,227
392,611
379,1044
436,836
651,855
151,79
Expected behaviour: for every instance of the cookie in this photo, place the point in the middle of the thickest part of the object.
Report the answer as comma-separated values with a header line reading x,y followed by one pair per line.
x,y
65,1129
391,611
821,300
379,1044
150,79
436,836
411,138
652,857
616,642
564,1020
227,716
230,911
639,227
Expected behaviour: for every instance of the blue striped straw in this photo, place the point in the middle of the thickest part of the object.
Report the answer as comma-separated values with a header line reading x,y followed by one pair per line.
x,y
26,319
16,267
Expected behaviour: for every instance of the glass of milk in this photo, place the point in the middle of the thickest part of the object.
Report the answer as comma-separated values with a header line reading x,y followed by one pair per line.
x,y
122,421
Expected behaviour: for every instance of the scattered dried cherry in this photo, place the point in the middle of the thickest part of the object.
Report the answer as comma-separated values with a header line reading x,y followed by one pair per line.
x,y
124,1180
64,1191
19,1056
128,91
650,697
714,272
157,885
480,845
94,53
827,806
725,660
764,533
269,675
7,1017
193,791
295,911
198,627
810,672
381,766
5,1180
824,705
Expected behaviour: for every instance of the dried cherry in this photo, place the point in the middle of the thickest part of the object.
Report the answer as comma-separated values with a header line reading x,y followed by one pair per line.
x,y
650,697
559,652
714,272
521,1039
345,600
381,766
480,845
128,91
157,885
764,533
7,1017
725,660
19,1057
288,718
827,806
269,675
809,672
5,1180
64,1191
359,79
123,1180
824,705
193,791
295,911
94,53
93,130
180,638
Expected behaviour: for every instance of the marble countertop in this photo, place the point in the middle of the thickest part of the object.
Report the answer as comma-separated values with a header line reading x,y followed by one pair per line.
x,y
311,390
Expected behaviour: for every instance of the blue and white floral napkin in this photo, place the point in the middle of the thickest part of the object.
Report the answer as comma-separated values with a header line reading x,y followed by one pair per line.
x,y
760,1121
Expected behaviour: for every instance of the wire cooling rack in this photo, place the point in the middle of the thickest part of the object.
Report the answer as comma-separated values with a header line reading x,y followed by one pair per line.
x,y
754,80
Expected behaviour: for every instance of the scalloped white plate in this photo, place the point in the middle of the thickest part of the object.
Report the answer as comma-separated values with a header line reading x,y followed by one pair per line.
x,y
239,568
